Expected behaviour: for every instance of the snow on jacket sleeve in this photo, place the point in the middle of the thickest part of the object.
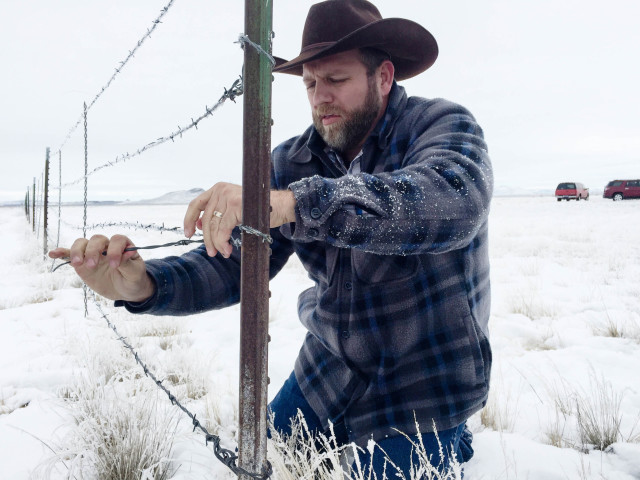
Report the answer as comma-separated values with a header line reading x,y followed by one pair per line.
x,y
429,191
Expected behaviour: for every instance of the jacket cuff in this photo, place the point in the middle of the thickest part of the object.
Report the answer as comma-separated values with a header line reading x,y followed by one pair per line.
x,y
311,212
146,306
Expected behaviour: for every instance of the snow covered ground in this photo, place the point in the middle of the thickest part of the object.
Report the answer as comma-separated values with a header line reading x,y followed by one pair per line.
x,y
565,331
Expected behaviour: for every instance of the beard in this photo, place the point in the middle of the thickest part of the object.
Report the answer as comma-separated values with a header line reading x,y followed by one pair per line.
x,y
355,124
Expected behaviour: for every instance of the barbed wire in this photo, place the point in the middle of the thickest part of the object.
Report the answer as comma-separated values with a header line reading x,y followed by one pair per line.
x,y
236,242
161,228
135,226
150,30
228,457
235,91
244,40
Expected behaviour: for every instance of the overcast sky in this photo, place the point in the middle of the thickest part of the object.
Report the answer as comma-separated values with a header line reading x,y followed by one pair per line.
x,y
554,84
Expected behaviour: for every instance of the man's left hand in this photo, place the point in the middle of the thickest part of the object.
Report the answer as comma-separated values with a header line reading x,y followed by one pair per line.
x,y
219,210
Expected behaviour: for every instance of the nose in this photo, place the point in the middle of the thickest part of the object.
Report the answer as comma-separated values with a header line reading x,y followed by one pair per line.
x,y
321,94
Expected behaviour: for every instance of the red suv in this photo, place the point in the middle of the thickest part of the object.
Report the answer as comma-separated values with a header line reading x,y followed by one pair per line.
x,y
621,189
568,190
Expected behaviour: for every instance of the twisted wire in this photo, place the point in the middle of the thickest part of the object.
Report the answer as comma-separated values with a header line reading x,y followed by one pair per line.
x,y
236,242
135,226
231,94
161,228
155,23
228,457
245,40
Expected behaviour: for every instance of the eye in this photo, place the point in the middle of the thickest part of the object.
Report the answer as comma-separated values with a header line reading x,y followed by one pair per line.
x,y
310,85
337,80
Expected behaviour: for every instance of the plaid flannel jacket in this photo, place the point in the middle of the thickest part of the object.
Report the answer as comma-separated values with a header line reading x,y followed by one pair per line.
x,y
397,247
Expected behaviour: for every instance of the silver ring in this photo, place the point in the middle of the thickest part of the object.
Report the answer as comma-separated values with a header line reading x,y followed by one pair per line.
x,y
217,214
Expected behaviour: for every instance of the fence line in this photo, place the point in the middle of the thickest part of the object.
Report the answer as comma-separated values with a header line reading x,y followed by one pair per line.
x,y
237,88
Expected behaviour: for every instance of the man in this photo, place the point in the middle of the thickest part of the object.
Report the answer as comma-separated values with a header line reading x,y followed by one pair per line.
x,y
385,201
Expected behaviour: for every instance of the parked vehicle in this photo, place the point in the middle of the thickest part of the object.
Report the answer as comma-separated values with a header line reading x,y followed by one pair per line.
x,y
622,189
572,190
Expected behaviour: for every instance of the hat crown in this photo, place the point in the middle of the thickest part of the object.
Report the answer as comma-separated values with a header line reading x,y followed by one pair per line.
x,y
332,20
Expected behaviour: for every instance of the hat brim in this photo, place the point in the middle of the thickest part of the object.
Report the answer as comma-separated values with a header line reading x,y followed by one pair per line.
x,y
411,48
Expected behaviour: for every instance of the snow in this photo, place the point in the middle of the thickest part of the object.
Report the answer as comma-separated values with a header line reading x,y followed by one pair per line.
x,y
563,273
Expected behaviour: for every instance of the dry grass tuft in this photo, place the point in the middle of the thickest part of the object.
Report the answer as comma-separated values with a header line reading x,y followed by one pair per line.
x,y
117,436
588,419
499,415
530,303
302,455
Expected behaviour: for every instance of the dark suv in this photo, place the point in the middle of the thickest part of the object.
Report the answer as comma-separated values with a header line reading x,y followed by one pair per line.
x,y
622,189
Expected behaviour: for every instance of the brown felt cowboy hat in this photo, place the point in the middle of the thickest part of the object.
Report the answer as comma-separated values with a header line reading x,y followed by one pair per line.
x,y
335,26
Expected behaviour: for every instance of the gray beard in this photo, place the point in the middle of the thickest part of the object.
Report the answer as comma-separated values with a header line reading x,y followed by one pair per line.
x,y
356,124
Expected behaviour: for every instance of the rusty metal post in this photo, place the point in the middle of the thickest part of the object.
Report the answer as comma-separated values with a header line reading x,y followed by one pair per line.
x,y
45,213
254,297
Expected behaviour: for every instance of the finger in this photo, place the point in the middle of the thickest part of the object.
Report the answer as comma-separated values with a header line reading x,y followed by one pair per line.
x,y
196,206
59,253
115,250
222,234
93,252
210,220
76,253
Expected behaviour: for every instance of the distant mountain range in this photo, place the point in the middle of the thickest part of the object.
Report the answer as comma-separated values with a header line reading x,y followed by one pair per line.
x,y
172,198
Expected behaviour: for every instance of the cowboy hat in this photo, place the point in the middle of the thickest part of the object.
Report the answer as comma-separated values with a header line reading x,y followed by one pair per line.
x,y
335,26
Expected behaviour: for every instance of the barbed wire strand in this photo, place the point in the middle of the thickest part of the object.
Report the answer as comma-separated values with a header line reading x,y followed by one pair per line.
x,y
135,226
231,94
161,228
236,242
132,52
244,40
227,457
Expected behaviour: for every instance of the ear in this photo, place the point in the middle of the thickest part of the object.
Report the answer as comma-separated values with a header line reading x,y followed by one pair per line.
x,y
387,71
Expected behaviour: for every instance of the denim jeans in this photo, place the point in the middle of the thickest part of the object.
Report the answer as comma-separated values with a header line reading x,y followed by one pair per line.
x,y
398,448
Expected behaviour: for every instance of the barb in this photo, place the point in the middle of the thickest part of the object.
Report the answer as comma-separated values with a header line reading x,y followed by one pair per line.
x,y
231,94
244,40
227,457
157,21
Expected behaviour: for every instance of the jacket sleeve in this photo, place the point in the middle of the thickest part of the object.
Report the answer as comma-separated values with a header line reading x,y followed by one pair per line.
x,y
195,282
434,200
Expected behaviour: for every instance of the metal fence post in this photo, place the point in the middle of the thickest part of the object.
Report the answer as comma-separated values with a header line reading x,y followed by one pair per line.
x,y
45,200
254,298
33,207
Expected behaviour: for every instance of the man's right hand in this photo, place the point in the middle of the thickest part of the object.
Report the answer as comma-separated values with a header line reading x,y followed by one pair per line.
x,y
118,275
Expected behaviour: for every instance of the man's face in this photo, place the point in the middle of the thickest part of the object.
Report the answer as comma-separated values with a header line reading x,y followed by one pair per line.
x,y
345,102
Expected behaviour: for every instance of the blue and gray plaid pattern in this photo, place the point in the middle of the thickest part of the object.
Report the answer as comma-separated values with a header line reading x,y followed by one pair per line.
x,y
397,248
